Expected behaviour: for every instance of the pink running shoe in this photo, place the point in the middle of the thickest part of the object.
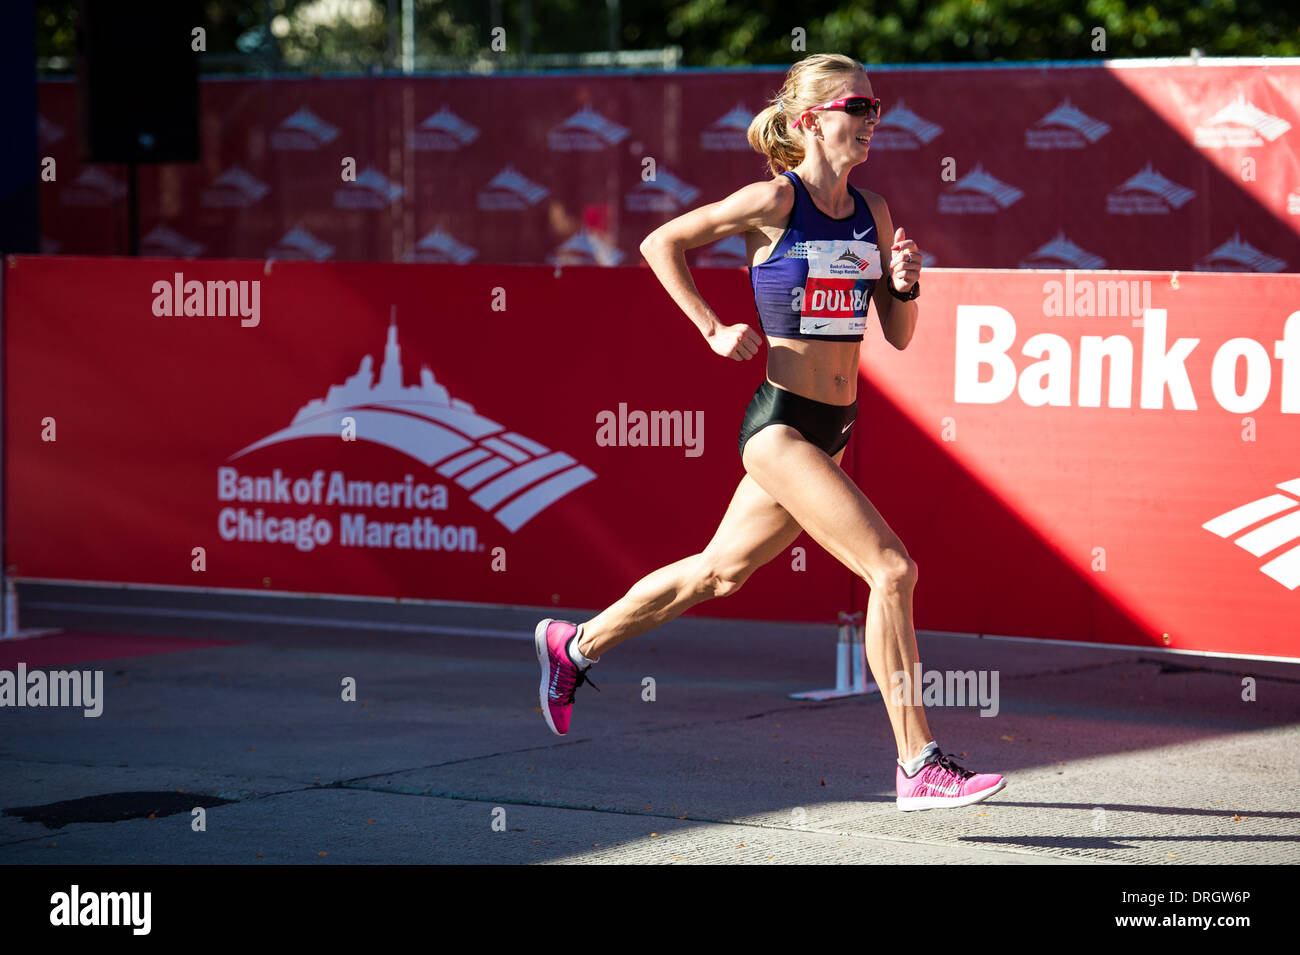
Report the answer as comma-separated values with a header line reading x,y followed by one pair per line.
x,y
560,676
942,784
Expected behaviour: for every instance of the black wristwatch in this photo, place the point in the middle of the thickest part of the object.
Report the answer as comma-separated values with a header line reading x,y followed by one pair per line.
x,y
907,296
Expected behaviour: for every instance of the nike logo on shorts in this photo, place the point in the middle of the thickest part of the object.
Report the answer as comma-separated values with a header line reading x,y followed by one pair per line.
x,y
847,426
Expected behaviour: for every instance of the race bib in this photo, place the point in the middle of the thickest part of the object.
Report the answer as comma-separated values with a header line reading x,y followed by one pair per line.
x,y
835,296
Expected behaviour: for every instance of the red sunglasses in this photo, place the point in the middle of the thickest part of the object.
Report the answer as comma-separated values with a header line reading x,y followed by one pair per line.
x,y
853,105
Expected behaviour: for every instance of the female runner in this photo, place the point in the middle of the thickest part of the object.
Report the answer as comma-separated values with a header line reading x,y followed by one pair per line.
x,y
808,232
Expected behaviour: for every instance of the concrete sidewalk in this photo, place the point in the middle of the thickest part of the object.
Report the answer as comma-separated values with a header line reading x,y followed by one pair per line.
x,y
1110,756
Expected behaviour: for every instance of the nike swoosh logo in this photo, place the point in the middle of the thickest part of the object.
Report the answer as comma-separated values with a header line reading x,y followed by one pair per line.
x,y
822,325
847,426
858,235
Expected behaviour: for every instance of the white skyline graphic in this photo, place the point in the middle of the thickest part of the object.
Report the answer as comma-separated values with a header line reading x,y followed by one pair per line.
x,y
1240,124
1065,127
664,193
164,241
1061,253
728,253
586,248
303,130
736,119
1147,192
979,191
510,476
728,131
511,190
586,130
299,244
1238,255
902,128
443,130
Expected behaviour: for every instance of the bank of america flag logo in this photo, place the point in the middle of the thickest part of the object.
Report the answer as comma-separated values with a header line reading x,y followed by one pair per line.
x,y
512,477
1270,524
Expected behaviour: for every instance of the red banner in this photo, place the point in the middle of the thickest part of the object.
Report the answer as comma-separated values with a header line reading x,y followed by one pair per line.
x,y
1093,456
1112,166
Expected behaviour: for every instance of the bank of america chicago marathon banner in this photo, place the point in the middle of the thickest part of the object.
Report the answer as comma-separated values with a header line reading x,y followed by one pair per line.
x,y
1105,457
520,437
1128,166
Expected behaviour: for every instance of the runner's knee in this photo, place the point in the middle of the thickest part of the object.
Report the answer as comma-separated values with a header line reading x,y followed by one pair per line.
x,y
720,578
893,570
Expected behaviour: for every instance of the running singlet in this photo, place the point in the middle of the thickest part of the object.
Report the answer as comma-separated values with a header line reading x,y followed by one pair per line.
x,y
818,280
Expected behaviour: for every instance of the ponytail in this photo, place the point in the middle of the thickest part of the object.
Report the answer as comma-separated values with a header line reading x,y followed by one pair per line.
x,y
770,134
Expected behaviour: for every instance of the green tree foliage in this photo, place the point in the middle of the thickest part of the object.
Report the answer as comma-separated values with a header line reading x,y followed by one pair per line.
x,y
360,34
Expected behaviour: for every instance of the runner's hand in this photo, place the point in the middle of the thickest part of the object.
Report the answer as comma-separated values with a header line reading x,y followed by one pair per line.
x,y
738,342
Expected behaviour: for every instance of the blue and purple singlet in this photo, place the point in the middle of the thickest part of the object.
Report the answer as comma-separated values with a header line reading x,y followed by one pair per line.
x,y
818,280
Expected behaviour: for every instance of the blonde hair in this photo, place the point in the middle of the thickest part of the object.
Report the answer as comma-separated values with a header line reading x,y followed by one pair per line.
x,y
810,82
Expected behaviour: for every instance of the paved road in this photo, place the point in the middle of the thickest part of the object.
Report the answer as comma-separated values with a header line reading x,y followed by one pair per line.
x,y
1110,756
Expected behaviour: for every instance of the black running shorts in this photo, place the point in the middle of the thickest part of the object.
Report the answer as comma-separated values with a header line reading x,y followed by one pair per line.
x,y
826,426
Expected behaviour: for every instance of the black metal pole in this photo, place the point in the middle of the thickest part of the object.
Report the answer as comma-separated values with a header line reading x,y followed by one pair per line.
x,y
132,209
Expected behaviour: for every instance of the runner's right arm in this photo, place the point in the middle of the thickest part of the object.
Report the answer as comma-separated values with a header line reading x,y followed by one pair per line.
x,y
760,203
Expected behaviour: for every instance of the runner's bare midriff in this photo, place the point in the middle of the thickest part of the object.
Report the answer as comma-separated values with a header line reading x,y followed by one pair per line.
x,y
823,371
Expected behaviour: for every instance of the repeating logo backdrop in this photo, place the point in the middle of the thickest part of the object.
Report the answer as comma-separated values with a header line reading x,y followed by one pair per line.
x,y
1122,166
1106,457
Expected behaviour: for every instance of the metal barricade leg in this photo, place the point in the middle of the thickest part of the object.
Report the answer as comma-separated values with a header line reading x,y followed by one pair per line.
x,y
850,663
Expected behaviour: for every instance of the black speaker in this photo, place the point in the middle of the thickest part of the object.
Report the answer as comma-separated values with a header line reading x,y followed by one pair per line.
x,y
138,80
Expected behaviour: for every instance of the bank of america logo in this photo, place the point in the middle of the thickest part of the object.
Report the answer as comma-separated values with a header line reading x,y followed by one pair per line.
x,y
1147,192
510,189
586,130
300,245
303,130
1061,253
168,243
47,133
440,246
511,477
444,130
665,193
586,248
1240,124
1268,537
1066,127
93,187
235,188
728,253
371,190
856,261
901,128
978,191
1238,255
729,131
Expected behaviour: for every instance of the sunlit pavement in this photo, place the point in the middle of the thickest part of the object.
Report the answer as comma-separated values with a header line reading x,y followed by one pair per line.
x,y
1111,756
